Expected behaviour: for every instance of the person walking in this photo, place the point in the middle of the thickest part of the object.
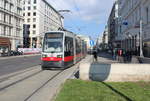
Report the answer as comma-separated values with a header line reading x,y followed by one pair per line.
x,y
95,55
120,55
114,54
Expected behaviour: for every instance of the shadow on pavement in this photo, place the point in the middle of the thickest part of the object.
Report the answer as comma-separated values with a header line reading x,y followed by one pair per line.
x,y
116,91
100,72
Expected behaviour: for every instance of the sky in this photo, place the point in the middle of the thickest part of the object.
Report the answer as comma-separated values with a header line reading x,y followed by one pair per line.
x,y
86,17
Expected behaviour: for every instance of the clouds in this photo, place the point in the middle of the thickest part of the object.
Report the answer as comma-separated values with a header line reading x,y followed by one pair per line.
x,y
88,17
88,10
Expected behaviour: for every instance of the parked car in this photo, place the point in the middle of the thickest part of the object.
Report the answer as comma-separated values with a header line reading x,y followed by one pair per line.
x,y
11,53
15,53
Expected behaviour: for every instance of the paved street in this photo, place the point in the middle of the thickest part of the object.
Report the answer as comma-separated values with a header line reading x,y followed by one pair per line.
x,y
34,84
10,65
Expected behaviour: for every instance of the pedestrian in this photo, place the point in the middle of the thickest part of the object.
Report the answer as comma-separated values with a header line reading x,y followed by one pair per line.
x,y
128,56
95,55
124,56
120,52
114,54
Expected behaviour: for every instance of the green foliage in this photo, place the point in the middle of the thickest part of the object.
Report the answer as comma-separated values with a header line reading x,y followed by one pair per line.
x,y
77,90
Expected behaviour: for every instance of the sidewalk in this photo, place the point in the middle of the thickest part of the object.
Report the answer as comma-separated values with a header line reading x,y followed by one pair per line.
x,y
105,58
11,57
144,60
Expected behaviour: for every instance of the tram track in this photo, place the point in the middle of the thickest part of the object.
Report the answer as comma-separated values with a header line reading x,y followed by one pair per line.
x,y
27,99
38,86
7,77
31,84
11,84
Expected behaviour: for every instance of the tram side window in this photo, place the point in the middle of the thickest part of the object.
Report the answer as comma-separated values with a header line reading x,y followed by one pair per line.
x,y
69,46
78,49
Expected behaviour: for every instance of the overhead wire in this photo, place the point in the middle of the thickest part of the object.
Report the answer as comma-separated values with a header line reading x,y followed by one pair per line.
x,y
79,13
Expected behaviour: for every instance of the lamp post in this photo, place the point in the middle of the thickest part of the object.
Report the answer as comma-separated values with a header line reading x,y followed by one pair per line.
x,y
140,38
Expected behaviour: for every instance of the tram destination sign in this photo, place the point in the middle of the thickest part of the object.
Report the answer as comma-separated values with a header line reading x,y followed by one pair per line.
x,y
54,35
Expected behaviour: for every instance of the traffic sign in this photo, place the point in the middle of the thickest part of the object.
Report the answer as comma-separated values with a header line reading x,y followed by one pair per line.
x,y
92,43
125,23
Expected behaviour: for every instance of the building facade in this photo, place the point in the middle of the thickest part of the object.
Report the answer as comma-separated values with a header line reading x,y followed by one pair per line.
x,y
86,39
130,12
105,35
146,27
113,26
102,41
11,21
134,12
40,17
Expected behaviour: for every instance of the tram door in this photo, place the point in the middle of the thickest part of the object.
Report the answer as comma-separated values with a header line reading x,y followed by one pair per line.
x,y
68,51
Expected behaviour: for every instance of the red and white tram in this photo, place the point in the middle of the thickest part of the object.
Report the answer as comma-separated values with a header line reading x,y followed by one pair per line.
x,y
62,49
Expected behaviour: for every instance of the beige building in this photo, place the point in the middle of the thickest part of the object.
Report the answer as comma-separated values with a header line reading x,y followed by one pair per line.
x,y
40,17
105,35
11,34
86,39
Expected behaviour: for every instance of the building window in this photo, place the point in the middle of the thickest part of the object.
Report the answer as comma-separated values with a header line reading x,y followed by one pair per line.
x,y
34,7
34,19
34,26
34,1
28,20
29,8
28,14
23,8
23,14
34,32
29,2
34,14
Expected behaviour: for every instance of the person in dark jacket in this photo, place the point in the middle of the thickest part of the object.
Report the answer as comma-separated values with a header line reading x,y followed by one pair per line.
x,y
95,55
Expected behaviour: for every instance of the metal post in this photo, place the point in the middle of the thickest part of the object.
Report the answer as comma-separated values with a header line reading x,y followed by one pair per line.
x,y
141,39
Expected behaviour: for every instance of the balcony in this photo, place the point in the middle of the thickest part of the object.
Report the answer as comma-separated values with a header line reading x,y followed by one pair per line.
x,y
19,27
6,24
6,11
10,13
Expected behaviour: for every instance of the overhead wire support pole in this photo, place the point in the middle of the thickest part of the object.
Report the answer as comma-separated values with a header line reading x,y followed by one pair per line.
x,y
141,38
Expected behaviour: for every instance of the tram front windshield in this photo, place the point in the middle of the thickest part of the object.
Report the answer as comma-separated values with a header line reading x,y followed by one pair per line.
x,y
53,43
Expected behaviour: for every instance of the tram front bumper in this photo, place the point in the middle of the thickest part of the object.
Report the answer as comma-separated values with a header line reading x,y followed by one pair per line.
x,y
53,64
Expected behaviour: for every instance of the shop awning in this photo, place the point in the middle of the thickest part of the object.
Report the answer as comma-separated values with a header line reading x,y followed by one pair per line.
x,y
4,41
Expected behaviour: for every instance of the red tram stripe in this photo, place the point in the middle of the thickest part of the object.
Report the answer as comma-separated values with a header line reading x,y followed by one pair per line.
x,y
68,58
51,59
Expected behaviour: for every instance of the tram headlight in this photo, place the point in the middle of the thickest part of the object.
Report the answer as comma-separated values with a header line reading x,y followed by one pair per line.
x,y
44,55
59,56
